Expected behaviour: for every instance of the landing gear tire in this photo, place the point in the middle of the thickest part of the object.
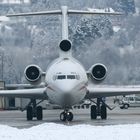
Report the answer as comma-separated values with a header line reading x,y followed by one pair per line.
x,y
63,116
93,112
103,112
39,113
69,116
66,116
29,113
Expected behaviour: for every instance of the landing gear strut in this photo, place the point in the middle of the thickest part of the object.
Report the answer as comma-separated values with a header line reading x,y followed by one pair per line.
x,y
66,116
34,111
100,109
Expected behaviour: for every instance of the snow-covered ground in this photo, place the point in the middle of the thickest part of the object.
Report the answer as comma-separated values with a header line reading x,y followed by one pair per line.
x,y
52,131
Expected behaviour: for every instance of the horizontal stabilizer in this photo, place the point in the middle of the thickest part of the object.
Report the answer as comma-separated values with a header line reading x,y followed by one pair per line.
x,y
55,12
93,12
59,12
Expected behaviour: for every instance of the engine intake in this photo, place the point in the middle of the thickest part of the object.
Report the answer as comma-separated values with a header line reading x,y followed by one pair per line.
x,y
98,72
33,74
65,45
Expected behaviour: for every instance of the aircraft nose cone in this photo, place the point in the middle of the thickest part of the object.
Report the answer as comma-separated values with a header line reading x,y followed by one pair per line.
x,y
66,87
66,91
67,99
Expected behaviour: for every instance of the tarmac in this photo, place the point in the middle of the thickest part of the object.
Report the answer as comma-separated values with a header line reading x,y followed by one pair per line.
x,y
81,116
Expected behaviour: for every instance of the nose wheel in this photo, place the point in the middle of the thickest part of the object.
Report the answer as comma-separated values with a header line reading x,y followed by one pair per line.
x,y
66,116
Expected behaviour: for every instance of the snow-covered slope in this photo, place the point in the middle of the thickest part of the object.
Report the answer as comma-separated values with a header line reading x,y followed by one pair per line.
x,y
51,131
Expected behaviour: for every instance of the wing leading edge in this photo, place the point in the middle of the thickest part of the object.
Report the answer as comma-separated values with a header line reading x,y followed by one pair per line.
x,y
97,92
38,93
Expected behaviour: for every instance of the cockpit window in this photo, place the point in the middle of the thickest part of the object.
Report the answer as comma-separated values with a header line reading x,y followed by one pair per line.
x,y
60,77
70,76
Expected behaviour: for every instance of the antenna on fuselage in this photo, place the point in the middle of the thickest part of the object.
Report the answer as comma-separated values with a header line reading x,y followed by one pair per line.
x,y
65,44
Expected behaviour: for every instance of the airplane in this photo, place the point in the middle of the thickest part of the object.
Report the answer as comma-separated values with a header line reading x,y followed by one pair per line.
x,y
66,82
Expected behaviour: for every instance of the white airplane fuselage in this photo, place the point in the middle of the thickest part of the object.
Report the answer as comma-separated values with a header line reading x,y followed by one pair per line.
x,y
66,81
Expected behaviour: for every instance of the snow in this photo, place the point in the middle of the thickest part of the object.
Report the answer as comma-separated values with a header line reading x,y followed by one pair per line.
x,y
15,1
52,131
101,10
116,28
137,12
4,18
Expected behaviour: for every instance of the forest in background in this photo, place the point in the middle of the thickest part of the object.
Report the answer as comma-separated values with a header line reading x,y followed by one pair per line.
x,y
34,40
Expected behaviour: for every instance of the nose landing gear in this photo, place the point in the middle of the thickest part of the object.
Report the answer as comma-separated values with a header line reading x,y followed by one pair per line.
x,y
66,116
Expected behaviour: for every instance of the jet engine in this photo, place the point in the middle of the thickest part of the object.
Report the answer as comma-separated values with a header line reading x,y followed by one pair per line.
x,y
98,72
33,74
65,45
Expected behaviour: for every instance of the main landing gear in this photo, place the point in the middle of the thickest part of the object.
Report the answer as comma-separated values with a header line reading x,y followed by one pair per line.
x,y
34,111
100,109
66,116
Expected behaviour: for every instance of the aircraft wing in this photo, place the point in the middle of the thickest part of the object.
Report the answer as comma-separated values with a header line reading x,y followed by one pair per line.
x,y
22,86
107,91
37,93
